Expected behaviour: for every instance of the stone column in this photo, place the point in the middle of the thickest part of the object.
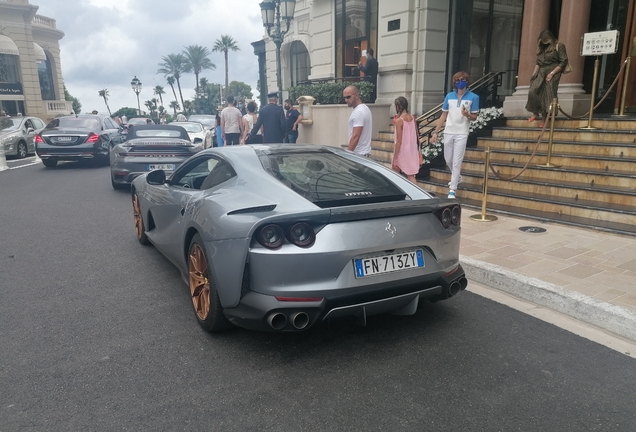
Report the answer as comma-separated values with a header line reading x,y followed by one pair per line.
x,y
575,16
536,14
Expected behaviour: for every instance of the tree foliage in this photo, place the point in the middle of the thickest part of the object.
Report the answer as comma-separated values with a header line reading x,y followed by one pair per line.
x,y
77,106
225,44
240,90
128,112
173,65
197,60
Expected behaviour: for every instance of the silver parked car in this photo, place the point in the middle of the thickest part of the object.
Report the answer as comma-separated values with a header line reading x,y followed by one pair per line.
x,y
17,134
148,148
281,237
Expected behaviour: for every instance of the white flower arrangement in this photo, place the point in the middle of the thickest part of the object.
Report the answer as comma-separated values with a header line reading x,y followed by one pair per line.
x,y
485,116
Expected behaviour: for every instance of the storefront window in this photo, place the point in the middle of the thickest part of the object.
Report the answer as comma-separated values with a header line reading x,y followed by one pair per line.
x,y
9,68
46,80
484,38
356,31
300,63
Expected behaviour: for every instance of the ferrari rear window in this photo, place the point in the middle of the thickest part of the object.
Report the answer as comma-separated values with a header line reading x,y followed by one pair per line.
x,y
330,180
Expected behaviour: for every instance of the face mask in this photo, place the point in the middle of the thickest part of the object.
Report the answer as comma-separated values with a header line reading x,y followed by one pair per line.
x,y
461,85
240,105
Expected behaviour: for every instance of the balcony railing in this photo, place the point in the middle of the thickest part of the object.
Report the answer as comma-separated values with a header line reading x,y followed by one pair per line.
x,y
54,108
43,21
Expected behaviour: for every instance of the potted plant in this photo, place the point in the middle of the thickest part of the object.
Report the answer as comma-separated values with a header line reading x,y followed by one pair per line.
x,y
483,124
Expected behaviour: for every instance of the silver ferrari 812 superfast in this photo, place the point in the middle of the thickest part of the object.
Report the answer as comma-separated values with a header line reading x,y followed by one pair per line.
x,y
282,237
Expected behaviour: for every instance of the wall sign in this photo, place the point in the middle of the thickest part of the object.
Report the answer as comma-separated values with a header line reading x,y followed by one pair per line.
x,y
600,43
394,25
10,88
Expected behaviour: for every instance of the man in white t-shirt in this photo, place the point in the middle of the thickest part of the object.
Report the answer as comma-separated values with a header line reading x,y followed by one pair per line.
x,y
360,123
231,123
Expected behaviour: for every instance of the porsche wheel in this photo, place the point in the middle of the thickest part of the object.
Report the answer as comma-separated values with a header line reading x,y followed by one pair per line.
x,y
140,229
205,299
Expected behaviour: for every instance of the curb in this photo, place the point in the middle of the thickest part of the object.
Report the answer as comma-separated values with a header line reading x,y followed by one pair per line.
x,y
612,318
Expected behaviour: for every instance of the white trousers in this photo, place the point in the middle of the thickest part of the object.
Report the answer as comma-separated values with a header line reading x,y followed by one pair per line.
x,y
454,150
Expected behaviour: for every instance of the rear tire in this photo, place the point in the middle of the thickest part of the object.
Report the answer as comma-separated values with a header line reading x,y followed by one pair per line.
x,y
205,299
140,229
22,151
49,163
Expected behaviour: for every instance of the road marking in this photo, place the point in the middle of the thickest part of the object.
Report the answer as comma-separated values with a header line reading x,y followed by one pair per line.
x,y
26,165
580,328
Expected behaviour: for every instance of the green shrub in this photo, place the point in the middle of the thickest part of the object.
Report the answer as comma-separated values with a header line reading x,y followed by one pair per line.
x,y
330,93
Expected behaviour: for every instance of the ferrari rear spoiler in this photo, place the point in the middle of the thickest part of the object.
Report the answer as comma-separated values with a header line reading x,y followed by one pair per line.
x,y
382,210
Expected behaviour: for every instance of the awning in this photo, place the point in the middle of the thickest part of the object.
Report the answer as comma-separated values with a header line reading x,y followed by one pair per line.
x,y
40,55
7,46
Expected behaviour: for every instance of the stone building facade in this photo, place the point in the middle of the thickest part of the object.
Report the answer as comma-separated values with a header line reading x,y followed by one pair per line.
x,y
419,44
30,69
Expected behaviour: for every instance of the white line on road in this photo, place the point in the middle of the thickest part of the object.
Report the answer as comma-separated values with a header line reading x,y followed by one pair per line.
x,y
26,165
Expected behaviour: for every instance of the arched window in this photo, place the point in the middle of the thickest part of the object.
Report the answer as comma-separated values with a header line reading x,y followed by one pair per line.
x,y
300,63
46,80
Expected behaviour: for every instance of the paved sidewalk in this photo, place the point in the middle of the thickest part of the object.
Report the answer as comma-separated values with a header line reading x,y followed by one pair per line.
x,y
587,274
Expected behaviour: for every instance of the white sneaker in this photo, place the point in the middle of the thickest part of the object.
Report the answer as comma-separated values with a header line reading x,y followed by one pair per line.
x,y
451,194
461,179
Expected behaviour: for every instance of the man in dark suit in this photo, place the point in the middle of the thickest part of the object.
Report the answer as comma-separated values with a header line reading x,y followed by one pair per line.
x,y
370,70
272,118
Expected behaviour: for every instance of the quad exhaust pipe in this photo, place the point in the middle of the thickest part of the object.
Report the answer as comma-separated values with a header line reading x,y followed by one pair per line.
x,y
278,320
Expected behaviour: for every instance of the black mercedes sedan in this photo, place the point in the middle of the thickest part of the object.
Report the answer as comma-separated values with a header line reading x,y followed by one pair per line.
x,y
78,137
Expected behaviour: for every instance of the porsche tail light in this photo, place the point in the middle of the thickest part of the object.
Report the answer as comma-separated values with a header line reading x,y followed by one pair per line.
x,y
301,234
449,215
271,236
92,138
39,140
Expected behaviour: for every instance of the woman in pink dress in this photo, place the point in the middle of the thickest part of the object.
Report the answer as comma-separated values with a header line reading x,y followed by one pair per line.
x,y
406,154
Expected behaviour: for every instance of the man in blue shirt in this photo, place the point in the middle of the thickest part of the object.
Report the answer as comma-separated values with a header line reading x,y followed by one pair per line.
x,y
461,106
292,120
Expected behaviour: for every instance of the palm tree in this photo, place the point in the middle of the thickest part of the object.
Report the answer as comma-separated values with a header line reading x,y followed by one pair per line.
x,y
187,107
151,106
226,43
158,90
197,60
104,94
173,65
170,80
175,106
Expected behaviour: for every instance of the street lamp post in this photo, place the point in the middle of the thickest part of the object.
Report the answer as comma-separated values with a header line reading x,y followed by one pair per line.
x,y
136,86
272,12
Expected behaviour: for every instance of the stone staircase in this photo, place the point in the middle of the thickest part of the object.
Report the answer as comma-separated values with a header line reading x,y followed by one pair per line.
x,y
594,185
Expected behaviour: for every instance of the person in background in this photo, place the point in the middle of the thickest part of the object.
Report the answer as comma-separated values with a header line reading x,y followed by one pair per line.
x,y
94,112
124,119
249,120
360,123
241,107
219,137
460,107
370,70
181,117
292,120
272,119
3,113
406,154
552,60
231,123
149,121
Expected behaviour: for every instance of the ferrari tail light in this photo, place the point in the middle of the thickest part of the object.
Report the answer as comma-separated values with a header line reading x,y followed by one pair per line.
x,y
39,140
271,236
92,138
450,215
301,234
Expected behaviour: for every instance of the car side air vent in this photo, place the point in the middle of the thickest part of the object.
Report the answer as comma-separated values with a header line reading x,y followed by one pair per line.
x,y
260,209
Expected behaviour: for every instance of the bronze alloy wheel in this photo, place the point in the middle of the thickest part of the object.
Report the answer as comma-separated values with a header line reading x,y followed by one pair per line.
x,y
199,284
205,299
139,221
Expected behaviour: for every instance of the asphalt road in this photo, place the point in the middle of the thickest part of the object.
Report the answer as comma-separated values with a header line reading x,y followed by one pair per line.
x,y
97,334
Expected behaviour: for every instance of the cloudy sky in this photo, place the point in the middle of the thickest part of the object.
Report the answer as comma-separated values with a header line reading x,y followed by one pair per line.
x,y
107,42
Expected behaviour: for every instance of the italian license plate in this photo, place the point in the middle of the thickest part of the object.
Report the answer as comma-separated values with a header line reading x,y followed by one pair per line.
x,y
388,263
165,167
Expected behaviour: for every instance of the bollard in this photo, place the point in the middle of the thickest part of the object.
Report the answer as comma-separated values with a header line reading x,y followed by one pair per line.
x,y
483,217
3,159
621,113
592,96
554,106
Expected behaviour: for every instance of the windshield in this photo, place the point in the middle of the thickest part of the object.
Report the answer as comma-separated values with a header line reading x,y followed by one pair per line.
x,y
75,123
191,127
327,179
208,122
8,124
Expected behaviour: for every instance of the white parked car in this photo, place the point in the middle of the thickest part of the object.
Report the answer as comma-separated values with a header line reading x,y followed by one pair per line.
x,y
196,131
